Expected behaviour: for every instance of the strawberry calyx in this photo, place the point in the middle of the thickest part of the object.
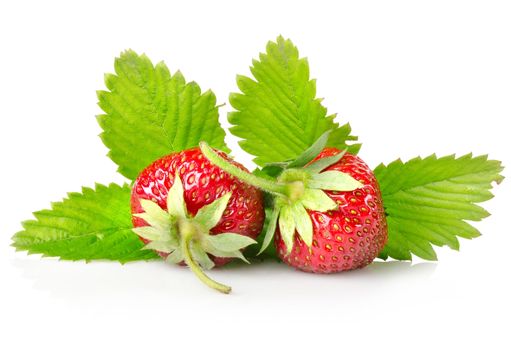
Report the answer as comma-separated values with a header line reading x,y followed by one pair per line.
x,y
296,186
188,238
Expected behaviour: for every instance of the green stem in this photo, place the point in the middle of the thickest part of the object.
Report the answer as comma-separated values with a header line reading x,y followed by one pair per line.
x,y
264,184
186,238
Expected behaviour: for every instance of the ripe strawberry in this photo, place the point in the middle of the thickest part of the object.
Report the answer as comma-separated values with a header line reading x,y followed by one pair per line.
x,y
190,211
327,213
349,237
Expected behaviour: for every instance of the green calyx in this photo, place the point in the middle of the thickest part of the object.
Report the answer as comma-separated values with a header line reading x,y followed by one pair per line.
x,y
298,187
186,238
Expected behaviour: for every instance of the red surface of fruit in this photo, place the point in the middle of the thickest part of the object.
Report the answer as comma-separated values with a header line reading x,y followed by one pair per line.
x,y
349,237
202,183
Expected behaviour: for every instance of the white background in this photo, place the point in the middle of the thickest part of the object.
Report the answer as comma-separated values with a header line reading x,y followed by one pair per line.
x,y
412,78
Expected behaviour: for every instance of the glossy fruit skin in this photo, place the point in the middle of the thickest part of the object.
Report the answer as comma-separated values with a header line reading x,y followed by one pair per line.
x,y
347,238
203,183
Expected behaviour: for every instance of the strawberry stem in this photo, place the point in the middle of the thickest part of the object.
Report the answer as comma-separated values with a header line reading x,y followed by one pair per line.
x,y
264,184
186,238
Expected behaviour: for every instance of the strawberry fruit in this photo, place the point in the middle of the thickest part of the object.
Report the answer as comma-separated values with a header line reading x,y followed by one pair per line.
x,y
192,212
345,238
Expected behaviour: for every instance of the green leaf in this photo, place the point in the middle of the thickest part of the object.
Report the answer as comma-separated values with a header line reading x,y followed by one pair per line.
x,y
323,163
287,226
150,113
312,152
94,224
223,254
271,226
176,205
200,256
318,200
209,215
162,246
175,257
278,115
303,223
151,233
154,215
427,202
334,180
229,242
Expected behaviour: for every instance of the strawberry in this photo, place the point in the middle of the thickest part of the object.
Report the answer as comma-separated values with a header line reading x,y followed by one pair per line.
x,y
348,237
327,212
192,212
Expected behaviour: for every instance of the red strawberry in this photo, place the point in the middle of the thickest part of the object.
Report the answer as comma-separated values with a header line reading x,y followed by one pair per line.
x,y
349,237
190,211
327,209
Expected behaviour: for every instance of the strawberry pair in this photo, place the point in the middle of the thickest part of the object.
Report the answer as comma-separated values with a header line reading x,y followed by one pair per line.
x,y
200,208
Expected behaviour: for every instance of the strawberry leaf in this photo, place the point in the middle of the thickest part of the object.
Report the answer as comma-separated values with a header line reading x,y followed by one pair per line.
x,y
312,152
303,223
150,113
201,257
278,115
209,215
94,224
287,226
230,241
272,217
428,200
323,163
334,181
176,205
